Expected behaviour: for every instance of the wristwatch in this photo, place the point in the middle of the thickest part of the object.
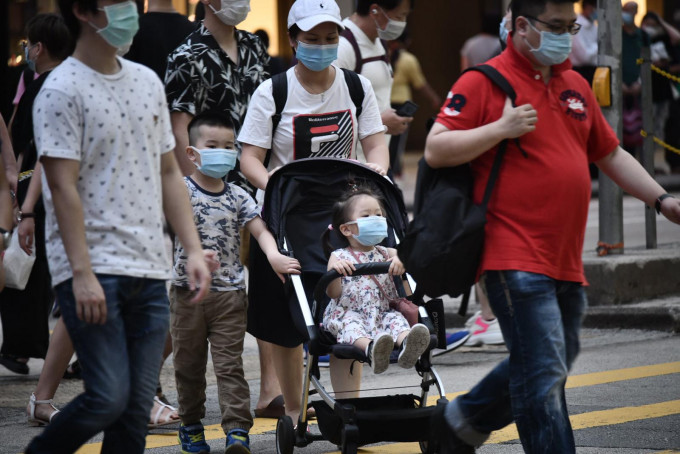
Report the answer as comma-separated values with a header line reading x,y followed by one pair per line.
x,y
6,236
657,204
21,216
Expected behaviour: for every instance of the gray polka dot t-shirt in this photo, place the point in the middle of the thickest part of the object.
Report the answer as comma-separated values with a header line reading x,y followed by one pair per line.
x,y
117,127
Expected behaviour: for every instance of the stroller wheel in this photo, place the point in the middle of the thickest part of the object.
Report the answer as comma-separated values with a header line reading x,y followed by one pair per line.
x,y
285,435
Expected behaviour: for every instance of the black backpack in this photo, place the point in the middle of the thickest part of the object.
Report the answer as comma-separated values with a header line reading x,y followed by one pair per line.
x,y
359,60
280,94
443,244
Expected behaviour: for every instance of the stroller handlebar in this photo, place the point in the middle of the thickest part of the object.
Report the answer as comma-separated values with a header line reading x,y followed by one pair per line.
x,y
361,270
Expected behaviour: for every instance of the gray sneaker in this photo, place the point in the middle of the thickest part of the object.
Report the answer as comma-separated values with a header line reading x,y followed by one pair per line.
x,y
379,352
415,343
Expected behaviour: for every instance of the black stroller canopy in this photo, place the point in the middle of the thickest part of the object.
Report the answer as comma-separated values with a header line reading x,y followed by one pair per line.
x,y
299,201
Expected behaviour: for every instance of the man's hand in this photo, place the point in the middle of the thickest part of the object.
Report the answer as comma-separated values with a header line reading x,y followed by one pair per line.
x,y
90,299
517,121
26,231
284,265
670,207
198,274
395,124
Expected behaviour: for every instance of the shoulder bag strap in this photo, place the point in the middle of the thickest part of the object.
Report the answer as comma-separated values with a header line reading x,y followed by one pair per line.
x,y
280,95
356,90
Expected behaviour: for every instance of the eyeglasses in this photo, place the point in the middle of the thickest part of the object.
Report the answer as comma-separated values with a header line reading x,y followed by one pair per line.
x,y
572,29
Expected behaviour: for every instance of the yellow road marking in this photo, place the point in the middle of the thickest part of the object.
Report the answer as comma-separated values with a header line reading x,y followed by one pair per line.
x,y
602,418
580,421
610,376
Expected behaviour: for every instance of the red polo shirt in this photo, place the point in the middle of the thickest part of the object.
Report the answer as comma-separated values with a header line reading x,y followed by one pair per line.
x,y
538,211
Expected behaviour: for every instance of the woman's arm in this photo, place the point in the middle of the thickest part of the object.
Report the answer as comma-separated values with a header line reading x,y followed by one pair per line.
x,y
252,159
27,225
376,152
8,160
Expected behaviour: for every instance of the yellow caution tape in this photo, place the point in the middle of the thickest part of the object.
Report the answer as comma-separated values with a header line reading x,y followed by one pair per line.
x,y
661,71
660,142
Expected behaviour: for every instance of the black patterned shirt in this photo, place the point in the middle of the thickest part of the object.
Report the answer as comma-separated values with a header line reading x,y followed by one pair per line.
x,y
200,76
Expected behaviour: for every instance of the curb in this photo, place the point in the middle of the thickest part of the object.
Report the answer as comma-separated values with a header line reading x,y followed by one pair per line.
x,y
657,318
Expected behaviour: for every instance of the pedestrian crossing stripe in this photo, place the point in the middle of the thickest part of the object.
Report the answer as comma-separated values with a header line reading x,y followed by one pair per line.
x,y
579,421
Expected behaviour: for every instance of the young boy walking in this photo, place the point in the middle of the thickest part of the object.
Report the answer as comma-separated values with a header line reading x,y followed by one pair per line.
x,y
220,209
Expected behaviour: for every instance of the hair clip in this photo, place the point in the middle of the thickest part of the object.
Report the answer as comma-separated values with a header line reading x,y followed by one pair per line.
x,y
353,187
330,226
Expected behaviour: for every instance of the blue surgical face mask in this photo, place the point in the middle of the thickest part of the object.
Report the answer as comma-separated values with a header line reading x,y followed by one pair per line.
x,y
316,57
627,18
554,49
29,62
372,230
215,162
503,32
123,23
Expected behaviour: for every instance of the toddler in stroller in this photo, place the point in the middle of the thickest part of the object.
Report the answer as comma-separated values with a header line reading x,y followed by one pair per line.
x,y
298,208
361,311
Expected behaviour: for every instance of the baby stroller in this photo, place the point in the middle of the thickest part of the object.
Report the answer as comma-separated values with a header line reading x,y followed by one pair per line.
x,y
297,209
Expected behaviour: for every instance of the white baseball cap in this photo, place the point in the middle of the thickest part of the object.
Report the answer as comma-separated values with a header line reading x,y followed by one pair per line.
x,y
307,14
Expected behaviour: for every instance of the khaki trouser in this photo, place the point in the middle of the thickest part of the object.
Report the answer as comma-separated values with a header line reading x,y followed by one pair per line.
x,y
219,321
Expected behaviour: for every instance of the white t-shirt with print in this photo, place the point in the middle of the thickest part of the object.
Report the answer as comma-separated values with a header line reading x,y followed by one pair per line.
x,y
312,125
117,127
218,217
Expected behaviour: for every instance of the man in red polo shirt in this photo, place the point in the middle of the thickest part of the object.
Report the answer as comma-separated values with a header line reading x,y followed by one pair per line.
x,y
531,266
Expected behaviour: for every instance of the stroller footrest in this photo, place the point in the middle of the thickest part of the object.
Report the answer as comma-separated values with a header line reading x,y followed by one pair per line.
x,y
385,418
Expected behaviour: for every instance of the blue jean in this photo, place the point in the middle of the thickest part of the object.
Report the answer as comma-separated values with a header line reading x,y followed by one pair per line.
x,y
120,364
540,319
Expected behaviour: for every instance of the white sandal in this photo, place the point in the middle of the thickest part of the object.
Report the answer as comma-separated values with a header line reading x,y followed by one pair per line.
x,y
157,421
37,422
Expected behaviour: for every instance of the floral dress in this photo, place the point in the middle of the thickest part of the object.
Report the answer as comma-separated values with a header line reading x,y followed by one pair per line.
x,y
362,310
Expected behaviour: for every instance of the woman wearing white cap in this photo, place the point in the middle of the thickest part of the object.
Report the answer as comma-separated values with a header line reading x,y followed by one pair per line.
x,y
319,119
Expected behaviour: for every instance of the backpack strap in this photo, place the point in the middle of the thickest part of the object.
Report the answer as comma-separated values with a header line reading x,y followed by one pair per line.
x,y
359,61
356,90
280,95
497,78
500,81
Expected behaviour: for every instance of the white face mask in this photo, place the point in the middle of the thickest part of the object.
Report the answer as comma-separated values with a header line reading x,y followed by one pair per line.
x,y
393,30
233,12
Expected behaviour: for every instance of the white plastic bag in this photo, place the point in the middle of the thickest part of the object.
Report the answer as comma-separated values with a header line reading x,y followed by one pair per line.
x,y
17,264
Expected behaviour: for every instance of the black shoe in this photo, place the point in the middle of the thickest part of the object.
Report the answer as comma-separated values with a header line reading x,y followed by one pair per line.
x,y
73,371
448,442
12,363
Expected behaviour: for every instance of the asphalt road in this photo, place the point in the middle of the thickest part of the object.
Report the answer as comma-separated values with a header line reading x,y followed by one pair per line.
x,y
624,397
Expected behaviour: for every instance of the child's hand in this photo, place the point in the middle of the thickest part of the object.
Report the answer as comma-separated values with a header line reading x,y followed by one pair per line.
x,y
211,261
396,267
344,267
283,265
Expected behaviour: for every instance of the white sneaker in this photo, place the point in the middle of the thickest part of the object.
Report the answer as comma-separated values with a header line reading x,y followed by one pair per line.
x,y
379,351
483,332
415,343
